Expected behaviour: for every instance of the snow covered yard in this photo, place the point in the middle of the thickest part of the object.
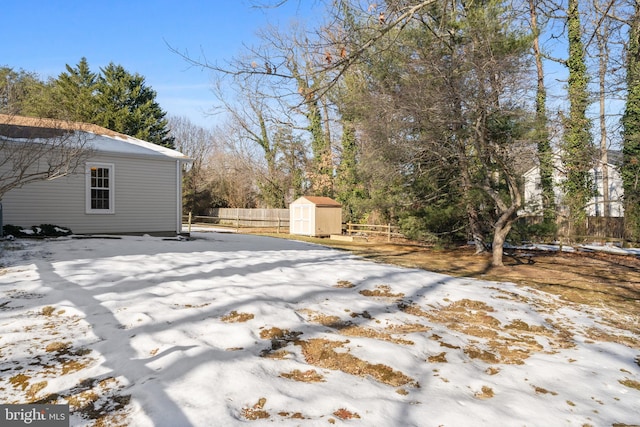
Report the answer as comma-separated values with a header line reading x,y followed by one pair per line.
x,y
231,329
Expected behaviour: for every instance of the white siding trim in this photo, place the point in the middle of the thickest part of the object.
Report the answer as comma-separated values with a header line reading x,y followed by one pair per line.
x,y
178,197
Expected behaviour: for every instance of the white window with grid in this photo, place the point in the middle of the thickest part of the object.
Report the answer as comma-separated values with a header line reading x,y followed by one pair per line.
x,y
100,188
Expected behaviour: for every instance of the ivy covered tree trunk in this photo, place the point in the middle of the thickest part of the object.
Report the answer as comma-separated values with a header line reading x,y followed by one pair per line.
x,y
349,189
577,155
630,170
321,173
322,164
271,188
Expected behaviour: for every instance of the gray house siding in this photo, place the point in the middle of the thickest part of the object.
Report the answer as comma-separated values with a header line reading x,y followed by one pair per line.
x,y
146,199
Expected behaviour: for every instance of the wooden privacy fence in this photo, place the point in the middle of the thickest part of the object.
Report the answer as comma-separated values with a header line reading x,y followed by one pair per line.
x,y
604,228
278,219
595,227
244,218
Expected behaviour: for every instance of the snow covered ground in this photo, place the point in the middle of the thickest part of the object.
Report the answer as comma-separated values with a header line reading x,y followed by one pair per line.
x,y
230,329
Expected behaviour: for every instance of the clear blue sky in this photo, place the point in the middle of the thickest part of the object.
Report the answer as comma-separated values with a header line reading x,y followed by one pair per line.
x,y
43,35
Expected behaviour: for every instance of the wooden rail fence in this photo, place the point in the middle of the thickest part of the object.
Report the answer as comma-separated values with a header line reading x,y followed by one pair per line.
x,y
375,229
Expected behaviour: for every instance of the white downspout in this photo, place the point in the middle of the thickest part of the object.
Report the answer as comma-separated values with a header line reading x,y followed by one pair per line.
x,y
178,197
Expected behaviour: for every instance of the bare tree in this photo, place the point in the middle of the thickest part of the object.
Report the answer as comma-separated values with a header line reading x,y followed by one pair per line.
x,y
199,144
34,150
235,170
607,34
38,150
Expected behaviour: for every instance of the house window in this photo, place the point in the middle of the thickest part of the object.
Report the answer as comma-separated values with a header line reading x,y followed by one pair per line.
x,y
100,188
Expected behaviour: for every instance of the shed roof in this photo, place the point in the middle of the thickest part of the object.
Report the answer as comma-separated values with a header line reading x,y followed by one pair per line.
x,y
321,201
100,139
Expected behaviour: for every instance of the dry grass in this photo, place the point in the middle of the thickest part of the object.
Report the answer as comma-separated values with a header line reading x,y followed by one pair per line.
x,y
280,338
630,383
345,284
381,291
322,353
256,412
20,381
485,393
345,414
48,310
350,329
541,390
57,347
438,358
310,376
604,281
235,317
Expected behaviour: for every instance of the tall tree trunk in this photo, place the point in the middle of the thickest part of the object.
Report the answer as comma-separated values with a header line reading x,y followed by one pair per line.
x,y
604,156
630,170
601,34
577,153
475,226
545,155
500,232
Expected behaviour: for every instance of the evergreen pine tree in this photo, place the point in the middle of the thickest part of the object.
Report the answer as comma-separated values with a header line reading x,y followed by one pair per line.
x,y
75,91
126,104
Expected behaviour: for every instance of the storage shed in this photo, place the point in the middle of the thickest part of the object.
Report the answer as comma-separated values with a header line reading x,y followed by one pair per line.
x,y
315,216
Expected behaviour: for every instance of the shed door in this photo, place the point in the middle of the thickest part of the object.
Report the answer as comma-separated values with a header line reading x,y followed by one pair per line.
x,y
302,219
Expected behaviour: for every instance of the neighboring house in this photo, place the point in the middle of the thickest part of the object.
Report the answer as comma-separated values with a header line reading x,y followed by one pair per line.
x,y
125,185
595,207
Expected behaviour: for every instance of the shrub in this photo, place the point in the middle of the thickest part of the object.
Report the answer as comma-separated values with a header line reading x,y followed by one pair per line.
x,y
42,230
12,230
51,230
540,232
433,225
